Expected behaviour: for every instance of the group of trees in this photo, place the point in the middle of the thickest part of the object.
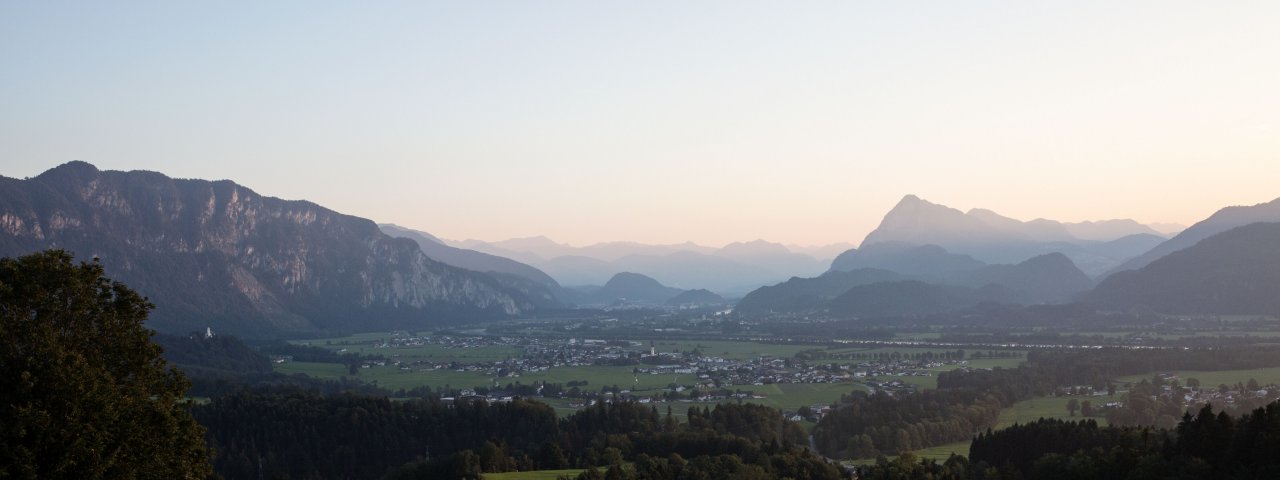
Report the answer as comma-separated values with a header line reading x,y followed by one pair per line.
x,y
868,425
968,401
1205,445
306,435
85,392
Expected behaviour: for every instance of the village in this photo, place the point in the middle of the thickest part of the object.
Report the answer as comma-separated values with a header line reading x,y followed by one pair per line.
x,y
714,378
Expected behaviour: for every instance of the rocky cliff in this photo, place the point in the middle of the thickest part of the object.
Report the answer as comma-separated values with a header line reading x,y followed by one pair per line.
x,y
218,254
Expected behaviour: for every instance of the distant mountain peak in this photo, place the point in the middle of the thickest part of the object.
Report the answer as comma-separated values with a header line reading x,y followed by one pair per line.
x,y
994,238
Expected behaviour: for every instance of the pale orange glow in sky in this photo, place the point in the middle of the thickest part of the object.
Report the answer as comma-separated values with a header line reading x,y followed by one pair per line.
x,y
710,122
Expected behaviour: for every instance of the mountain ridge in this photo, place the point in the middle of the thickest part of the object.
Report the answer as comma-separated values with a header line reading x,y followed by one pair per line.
x,y
215,253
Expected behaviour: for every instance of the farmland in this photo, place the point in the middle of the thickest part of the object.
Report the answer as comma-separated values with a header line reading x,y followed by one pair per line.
x,y
664,369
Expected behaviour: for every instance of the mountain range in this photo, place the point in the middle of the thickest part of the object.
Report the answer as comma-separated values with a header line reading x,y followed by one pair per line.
x,y
535,284
1221,221
214,253
1233,272
217,254
1095,247
732,270
953,281
1225,264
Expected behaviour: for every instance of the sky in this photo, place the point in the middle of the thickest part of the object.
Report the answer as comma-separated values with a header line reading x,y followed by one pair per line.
x,y
661,122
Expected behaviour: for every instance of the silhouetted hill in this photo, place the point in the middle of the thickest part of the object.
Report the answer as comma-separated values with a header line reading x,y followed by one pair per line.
x,y
1050,278
929,261
801,294
696,298
1221,221
634,287
197,354
1233,272
909,298
218,254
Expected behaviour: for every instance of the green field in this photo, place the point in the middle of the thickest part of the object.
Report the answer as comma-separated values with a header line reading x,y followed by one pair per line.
x,y
942,452
783,396
1028,411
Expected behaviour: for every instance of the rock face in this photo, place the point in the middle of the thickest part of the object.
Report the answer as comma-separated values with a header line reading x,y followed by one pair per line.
x,y
535,285
218,254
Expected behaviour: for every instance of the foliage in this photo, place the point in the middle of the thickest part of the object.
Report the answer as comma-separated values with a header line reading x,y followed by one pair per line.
x,y
306,435
87,395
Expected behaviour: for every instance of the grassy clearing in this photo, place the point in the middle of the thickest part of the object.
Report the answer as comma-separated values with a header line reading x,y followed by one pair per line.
x,y
1028,411
942,452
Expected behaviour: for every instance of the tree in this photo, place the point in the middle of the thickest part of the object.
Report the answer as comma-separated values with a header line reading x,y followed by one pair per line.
x,y
1086,409
86,393
1072,406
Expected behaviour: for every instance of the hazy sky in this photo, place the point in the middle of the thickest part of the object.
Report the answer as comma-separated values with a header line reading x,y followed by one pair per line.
x,y
800,122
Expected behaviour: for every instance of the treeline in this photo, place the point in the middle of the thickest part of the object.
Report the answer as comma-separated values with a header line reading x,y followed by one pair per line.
x,y
868,425
1159,402
212,354
223,364
305,435
308,353
969,401
1206,445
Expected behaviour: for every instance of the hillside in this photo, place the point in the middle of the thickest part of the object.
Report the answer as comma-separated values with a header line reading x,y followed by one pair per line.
x,y
801,294
1234,272
219,254
1050,278
929,261
630,287
909,298
1221,221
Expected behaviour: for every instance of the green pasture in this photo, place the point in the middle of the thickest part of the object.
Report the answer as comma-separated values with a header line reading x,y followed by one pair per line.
x,y
942,452
1028,411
